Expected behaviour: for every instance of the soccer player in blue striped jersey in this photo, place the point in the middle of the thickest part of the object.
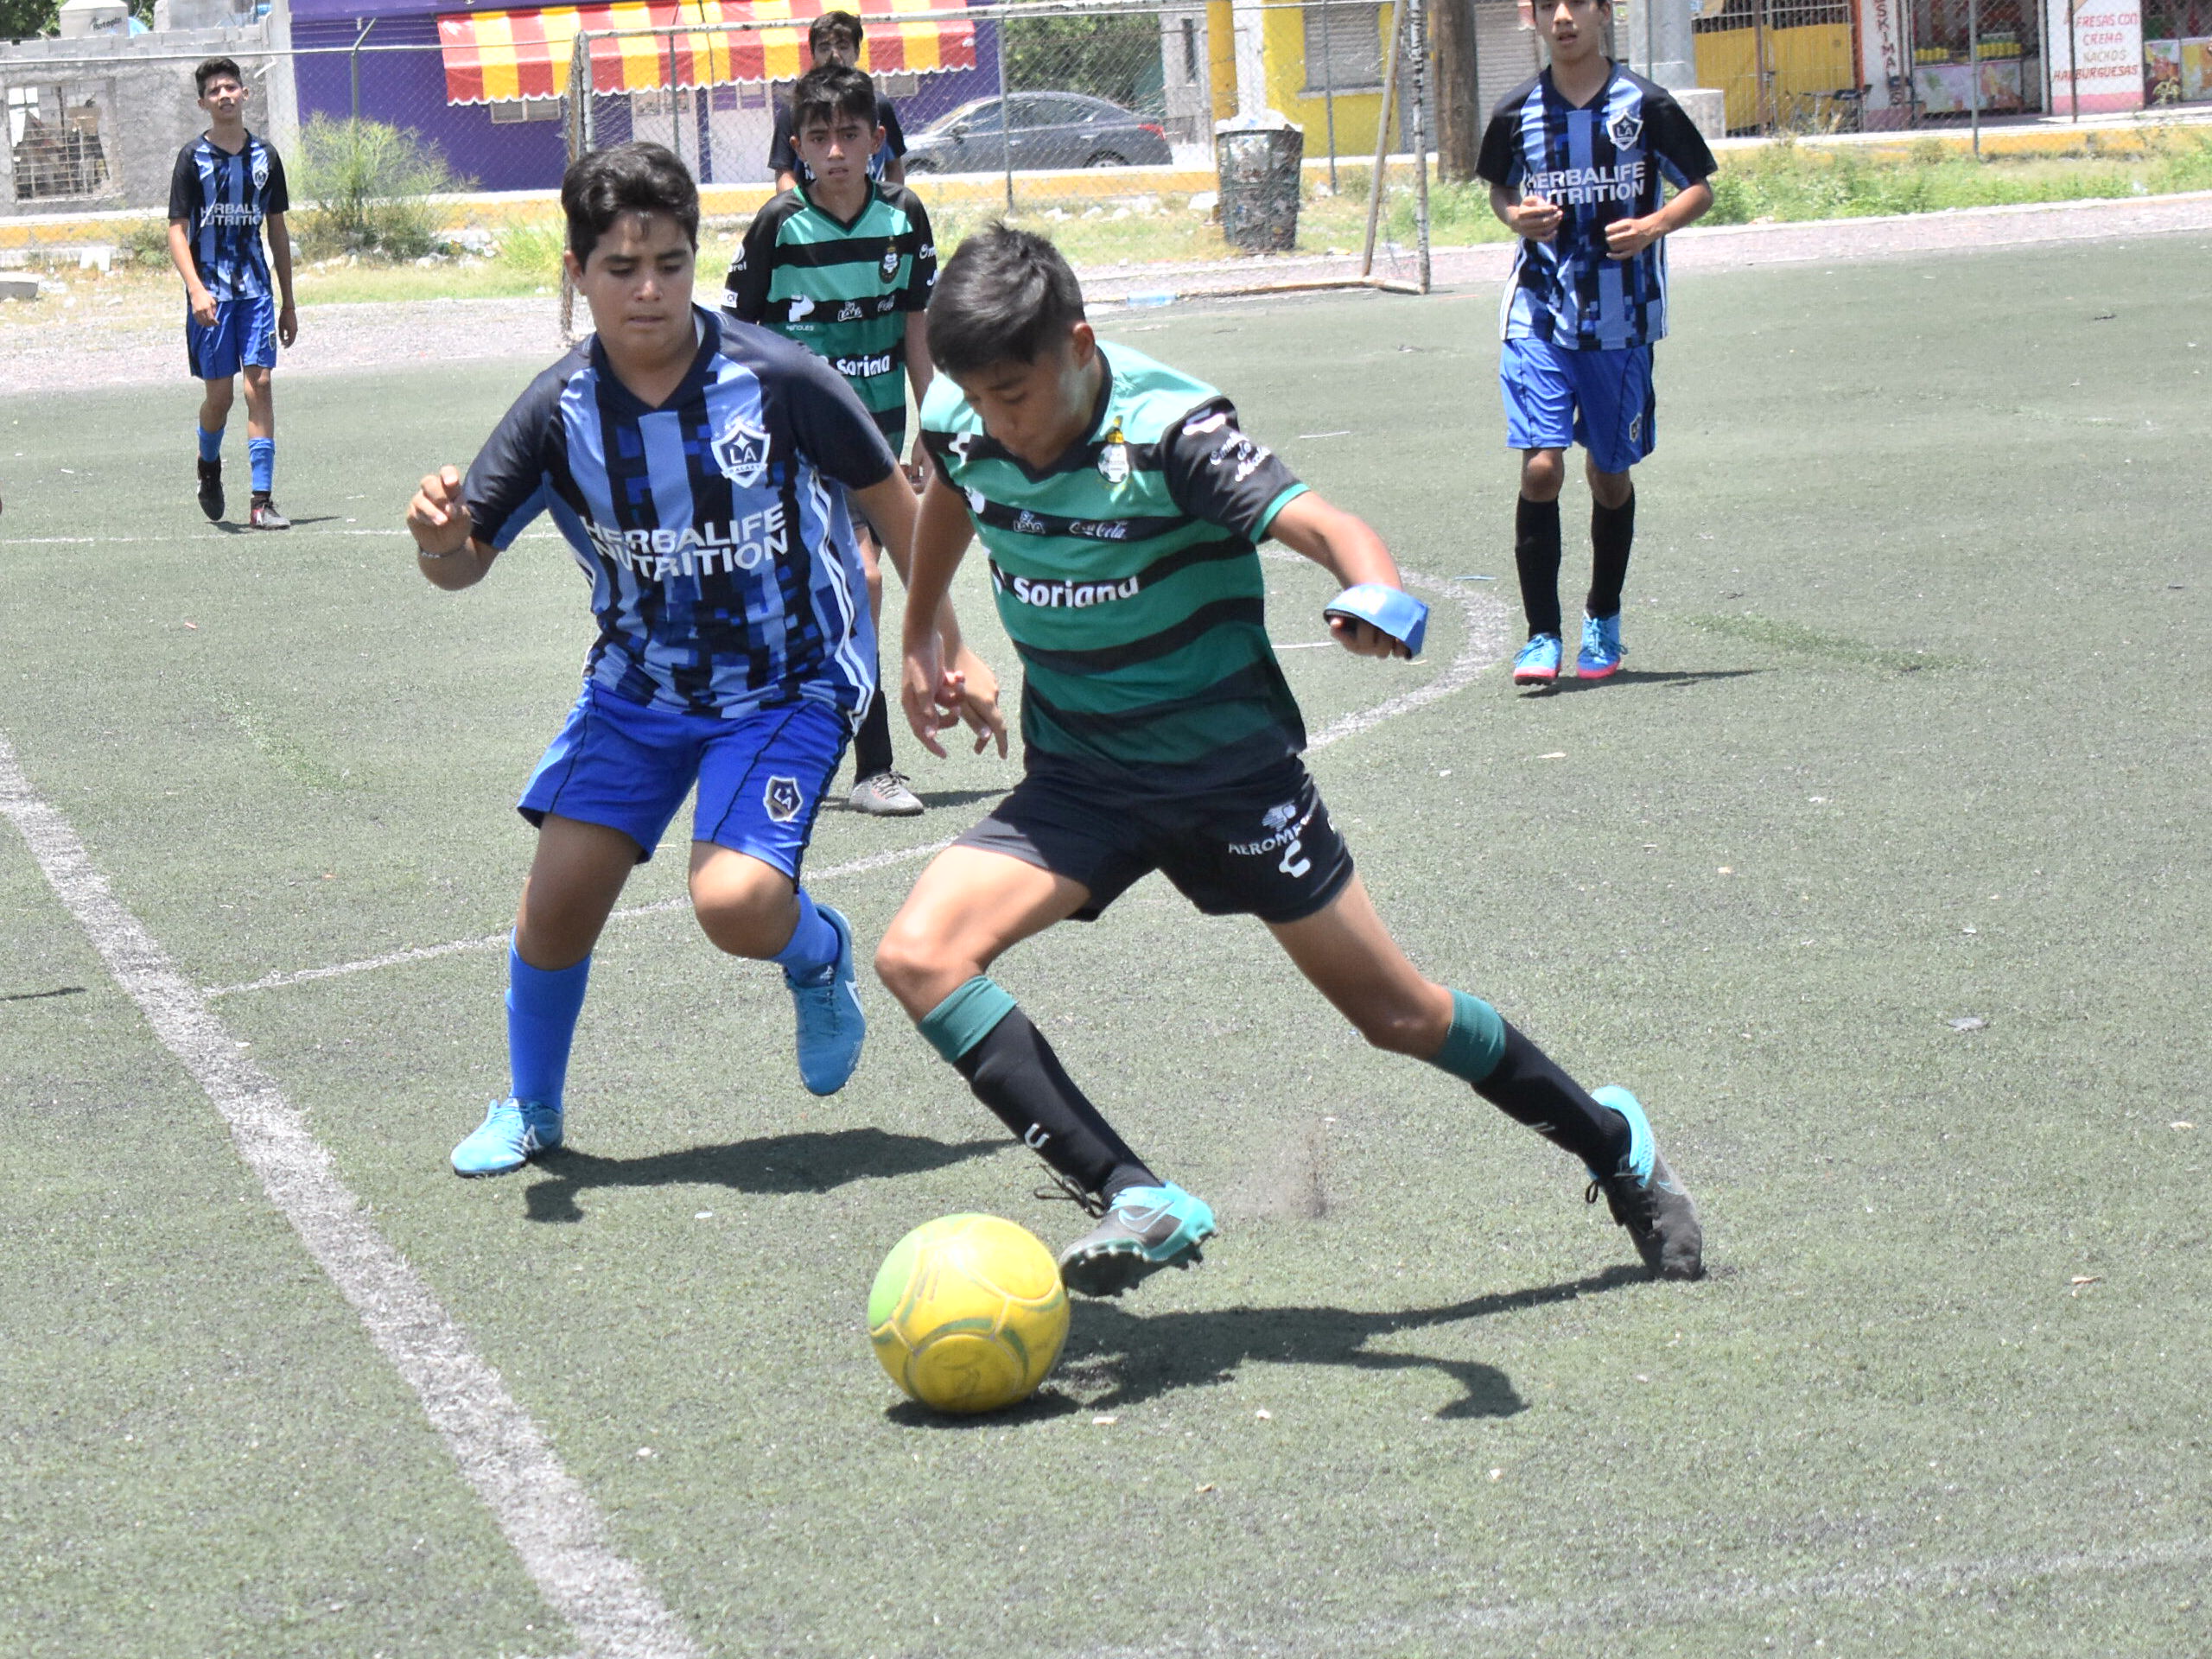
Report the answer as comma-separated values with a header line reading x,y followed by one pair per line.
x,y
1575,157
227,189
697,468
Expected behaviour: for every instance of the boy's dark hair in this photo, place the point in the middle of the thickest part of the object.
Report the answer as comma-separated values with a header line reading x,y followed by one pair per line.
x,y
1005,296
833,90
601,186
213,69
839,27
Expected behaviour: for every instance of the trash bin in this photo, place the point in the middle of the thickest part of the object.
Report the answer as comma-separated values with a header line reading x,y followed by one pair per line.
x,y
1259,167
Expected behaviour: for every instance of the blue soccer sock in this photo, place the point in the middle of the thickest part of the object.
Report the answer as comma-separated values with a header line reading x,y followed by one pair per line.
x,y
261,454
541,1008
813,944
211,443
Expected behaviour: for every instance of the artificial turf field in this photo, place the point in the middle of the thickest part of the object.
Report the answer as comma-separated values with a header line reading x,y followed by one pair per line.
x,y
1913,733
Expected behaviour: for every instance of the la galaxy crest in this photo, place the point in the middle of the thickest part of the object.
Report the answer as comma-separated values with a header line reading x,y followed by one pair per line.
x,y
1625,129
782,799
1114,455
741,452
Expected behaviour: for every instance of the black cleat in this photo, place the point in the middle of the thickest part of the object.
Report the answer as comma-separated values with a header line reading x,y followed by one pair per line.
x,y
1646,1198
210,489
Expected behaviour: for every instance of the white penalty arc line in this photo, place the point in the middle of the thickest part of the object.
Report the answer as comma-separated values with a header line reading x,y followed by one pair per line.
x,y
1485,642
547,1518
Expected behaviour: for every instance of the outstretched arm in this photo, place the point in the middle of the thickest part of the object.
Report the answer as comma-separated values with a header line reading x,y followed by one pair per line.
x,y
1348,549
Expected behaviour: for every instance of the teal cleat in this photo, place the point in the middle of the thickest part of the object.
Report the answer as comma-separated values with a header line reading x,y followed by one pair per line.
x,y
1647,1200
512,1133
1602,651
831,1026
1538,662
1145,1228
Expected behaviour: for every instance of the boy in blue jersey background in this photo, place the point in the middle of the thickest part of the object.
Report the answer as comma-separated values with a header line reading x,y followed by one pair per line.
x,y
1574,157
227,186
697,468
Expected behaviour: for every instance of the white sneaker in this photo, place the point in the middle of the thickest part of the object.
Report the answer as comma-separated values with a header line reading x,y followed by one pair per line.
x,y
885,795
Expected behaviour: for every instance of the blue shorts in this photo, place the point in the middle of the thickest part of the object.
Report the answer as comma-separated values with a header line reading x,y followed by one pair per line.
x,y
761,777
244,331
1601,400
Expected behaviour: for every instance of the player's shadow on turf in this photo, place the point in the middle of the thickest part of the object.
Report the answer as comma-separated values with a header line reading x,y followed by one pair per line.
x,y
813,1161
1641,676
242,527
1134,1357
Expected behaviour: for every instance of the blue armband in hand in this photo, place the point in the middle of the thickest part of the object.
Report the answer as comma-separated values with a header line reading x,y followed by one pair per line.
x,y
1396,613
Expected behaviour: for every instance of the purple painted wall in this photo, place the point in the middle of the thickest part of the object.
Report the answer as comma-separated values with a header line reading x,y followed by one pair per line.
x,y
408,89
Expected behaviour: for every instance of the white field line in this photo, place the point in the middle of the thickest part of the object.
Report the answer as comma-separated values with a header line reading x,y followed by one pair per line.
x,y
1639,1611
1485,643
548,1519
496,941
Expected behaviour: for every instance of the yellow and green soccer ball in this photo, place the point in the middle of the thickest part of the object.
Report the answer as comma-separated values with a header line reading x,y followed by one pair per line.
x,y
968,1313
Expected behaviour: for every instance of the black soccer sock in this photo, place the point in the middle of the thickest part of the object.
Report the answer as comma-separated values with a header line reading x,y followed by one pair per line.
x,y
1522,1081
1612,530
1530,1088
872,743
1014,1071
1535,555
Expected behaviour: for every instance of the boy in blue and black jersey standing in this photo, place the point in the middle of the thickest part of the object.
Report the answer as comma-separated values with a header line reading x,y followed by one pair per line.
x,y
844,265
227,186
698,470
1573,157
1120,504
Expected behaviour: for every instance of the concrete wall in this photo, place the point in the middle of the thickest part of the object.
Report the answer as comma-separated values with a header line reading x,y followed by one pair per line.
x,y
143,111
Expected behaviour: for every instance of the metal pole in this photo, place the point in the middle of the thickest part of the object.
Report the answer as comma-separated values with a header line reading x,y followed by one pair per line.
x,y
674,125
1758,56
1415,24
1382,135
1006,128
1329,86
1650,35
2073,73
353,61
1974,71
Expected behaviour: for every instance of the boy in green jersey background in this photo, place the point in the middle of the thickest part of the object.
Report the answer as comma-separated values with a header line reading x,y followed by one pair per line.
x,y
1121,503
844,266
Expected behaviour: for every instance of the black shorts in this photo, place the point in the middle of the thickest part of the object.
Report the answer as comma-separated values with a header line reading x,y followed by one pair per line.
x,y
1262,845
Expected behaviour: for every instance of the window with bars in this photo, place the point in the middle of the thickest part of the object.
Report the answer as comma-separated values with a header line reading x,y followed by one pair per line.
x,y
57,141
1344,45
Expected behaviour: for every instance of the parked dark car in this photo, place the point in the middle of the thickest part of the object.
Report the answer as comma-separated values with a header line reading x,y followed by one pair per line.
x,y
1047,129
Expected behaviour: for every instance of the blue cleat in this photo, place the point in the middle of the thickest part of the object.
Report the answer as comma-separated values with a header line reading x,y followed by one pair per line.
x,y
1538,662
830,1024
1146,1229
1602,650
512,1133
1647,1200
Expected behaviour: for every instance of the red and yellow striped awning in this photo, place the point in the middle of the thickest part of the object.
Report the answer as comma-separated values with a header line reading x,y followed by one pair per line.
x,y
496,56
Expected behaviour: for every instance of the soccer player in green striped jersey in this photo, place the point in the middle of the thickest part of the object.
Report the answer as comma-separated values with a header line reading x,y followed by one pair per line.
x,y
1120,502
844,266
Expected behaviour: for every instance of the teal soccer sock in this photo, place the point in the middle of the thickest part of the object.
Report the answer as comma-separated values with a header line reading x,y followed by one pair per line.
x,y
541,1008
813,943
211,443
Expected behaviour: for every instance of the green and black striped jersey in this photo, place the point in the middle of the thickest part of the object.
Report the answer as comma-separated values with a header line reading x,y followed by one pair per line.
x,y
1126,577
841,290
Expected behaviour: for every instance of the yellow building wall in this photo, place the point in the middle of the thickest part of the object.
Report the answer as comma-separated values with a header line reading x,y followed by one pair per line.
x,y
1284,44
1814,60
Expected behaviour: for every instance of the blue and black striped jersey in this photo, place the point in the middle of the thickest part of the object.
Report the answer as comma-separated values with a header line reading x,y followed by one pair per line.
x,y
720,550
1597,164
221,198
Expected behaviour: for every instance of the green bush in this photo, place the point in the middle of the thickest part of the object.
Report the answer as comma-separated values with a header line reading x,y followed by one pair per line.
x,y
146,243
366,187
